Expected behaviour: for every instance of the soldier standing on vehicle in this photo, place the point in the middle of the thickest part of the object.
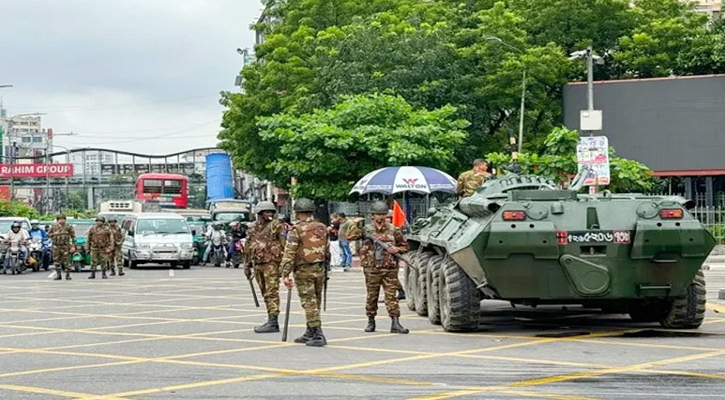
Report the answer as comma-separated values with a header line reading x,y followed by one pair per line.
x,y
265,244
101,243
306,254
117,259
471,180
64,240
379,266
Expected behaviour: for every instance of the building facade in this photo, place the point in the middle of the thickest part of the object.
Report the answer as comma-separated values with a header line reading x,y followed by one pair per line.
x,y
675,126
89,163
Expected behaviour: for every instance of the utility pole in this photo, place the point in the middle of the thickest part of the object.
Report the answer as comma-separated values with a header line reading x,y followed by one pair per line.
x,y
48,197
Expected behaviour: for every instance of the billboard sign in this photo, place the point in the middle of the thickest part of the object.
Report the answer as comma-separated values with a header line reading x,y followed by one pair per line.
x,y
36,170
594,151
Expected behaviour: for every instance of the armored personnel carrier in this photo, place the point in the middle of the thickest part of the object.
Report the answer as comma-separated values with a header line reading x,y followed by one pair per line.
x,y
525,240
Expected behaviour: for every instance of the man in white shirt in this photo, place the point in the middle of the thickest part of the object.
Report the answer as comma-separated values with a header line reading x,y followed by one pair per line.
x,y
17,233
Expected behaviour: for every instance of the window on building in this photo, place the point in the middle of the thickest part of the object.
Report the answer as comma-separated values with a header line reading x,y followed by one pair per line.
x,y
37,139
26,139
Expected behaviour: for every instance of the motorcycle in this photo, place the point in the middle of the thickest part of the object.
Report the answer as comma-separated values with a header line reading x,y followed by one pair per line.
x,y
77,260
237,257
13,259
37,255
218,253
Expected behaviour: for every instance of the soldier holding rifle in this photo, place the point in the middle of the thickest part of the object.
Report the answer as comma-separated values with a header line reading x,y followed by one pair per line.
x,y
381,242
265,245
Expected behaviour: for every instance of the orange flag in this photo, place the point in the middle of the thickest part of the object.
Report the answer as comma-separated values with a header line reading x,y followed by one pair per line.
x,y
398,215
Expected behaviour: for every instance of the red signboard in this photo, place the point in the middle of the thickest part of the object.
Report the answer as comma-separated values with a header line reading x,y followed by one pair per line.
x,y
36,170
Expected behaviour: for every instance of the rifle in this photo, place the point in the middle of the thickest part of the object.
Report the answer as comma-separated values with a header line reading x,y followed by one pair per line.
x,y
286,315
251,286
324,289
386,247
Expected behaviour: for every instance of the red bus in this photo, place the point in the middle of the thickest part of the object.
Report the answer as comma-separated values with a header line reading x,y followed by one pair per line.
x,y
170,190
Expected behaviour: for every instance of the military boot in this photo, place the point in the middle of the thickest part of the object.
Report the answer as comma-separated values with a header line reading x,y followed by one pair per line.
x,y
395,327
317,339
120,272
271,326
67,275
113,271
58,275
93,275
371,325
103,275
305,336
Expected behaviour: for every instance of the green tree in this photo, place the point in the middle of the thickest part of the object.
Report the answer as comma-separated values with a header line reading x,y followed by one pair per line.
x,y
664,30
558,161
17,209
328,150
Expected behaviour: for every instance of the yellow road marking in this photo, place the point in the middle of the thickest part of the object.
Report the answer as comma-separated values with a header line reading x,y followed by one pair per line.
x,y
715,307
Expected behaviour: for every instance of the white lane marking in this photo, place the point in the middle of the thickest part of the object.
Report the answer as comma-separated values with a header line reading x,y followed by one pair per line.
x,y
171,272
52,275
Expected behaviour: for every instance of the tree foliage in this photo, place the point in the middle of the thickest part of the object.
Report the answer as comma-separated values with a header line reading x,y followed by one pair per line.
x,y
558,161
328,150
433,54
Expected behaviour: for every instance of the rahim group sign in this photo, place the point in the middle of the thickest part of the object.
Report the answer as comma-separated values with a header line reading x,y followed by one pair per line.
x,y
36,170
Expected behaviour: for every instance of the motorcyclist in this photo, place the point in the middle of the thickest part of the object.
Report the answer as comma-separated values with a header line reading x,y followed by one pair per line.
x,y
214,232
17,233
236,234
37,233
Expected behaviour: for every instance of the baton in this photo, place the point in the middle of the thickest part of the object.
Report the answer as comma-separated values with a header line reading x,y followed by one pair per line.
x,y
254,293
286,315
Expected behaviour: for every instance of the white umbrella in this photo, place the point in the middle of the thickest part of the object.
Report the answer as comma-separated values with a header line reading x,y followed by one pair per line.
x,y
405,179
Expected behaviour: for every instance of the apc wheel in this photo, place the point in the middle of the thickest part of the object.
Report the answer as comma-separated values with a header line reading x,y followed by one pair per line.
x,y
460,301
187,264
688,312
421,295
433,289
411,286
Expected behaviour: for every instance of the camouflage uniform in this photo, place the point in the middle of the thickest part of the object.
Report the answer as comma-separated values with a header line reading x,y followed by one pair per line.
x,y
101,243
379,266
117,259
265,244
63,238
469,181
306,254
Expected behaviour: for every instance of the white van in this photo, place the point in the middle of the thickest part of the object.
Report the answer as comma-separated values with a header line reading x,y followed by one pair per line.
x,y
155,238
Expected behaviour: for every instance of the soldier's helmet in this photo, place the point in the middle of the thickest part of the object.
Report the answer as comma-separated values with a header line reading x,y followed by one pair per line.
x,y
60,216
379,207
304,205
100,218
34,223
112,219
264,206
15,225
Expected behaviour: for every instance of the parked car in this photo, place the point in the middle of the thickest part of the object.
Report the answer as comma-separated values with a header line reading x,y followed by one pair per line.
x,y
157,238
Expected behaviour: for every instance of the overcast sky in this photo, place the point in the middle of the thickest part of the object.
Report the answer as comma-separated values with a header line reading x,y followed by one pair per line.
x,y
139,75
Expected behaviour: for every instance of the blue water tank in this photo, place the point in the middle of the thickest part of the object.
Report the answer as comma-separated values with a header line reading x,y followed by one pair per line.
x,y
219,180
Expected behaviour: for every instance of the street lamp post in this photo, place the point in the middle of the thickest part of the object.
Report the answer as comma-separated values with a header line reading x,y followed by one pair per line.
x,y
523,89
67,161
